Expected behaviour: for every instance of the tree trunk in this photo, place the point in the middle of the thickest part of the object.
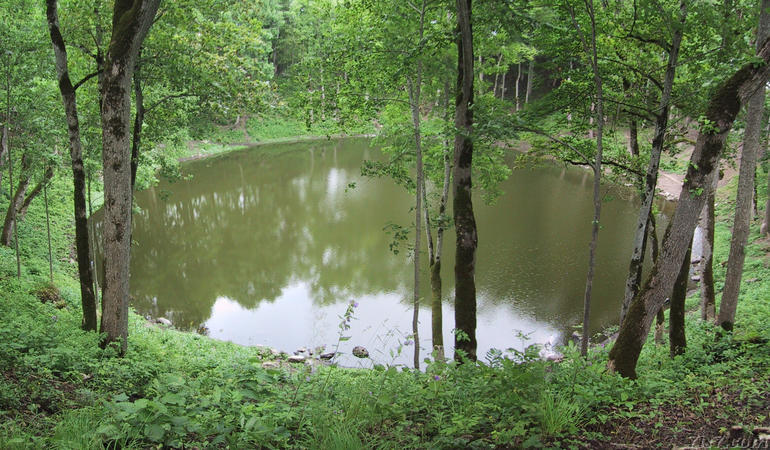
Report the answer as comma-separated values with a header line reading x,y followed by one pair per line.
x,y
677,339
518,81
435,269
138,122
634,278
497,74
414,98
502,88
707,291
48,230
3,152
743,202
34,193
633,137
17,199
85,272
131,21
723,107
653,242
465,222
530,72
591,51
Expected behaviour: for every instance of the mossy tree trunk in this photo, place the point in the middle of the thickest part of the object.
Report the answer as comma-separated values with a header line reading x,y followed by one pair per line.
x,y
85,270
723,107
465,221
131,20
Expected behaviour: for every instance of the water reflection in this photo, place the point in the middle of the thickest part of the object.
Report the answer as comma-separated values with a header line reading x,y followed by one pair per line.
x,y
267,246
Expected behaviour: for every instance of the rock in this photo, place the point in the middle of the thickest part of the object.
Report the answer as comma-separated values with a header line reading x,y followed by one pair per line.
x,y
327,356
761,430
275,352
301,350
164,321
752,280
764,437
296,358
695,278
271,365
360,352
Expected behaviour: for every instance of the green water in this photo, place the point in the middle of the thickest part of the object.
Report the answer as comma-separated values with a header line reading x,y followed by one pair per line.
x,y
267,246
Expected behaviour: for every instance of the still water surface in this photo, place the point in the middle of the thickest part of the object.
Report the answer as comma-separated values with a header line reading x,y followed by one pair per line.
x,y
267,246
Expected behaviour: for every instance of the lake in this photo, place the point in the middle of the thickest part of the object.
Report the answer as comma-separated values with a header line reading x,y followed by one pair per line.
x,y
268,245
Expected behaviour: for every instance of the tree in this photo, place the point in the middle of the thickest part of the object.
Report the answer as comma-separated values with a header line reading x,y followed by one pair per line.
x,y
743,203
651,178
724,106
69,99
462,187
131,20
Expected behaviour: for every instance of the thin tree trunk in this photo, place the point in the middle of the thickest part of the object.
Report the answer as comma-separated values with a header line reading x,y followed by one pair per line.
x,y
131,22
497,74
414,97
518,82
530,72
743,202
653,242
3,153
677,339
708,293
505,77
17,199
85,272
48,230
34,193
465,222
723,107
634,278
591,51
435,268
138,122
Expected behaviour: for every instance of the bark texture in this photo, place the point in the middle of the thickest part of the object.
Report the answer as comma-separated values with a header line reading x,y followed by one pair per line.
x,y
634,279
465,221
85,271
723,107
131,20
17,199
745,195
707,291
677,340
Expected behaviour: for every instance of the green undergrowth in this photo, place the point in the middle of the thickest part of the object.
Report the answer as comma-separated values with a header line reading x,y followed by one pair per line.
x,y
175,389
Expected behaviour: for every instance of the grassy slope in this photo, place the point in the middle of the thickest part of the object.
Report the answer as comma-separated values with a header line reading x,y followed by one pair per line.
x,y
58,390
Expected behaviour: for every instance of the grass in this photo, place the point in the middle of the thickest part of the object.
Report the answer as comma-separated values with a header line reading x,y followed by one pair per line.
x,y
174,389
